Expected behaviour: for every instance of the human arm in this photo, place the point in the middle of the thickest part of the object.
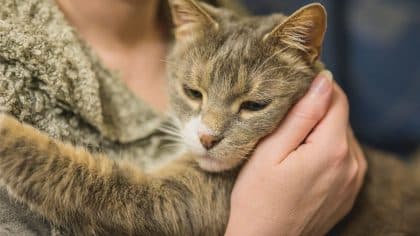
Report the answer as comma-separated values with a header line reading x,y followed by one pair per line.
x,y
312,178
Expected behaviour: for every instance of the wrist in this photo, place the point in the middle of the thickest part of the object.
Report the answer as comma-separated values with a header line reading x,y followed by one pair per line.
x,y
247,224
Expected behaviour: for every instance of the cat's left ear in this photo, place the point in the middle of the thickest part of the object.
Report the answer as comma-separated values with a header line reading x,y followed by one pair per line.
x,y
303,30
189,18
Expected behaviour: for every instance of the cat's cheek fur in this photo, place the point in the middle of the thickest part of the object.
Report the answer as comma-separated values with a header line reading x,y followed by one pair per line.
x,y
190,136
211,160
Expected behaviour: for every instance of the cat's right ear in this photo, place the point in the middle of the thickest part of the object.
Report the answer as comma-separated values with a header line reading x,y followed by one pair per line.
x,y
190,19
303,30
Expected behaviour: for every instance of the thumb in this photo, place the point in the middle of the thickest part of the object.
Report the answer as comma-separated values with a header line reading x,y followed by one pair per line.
x,y
301,119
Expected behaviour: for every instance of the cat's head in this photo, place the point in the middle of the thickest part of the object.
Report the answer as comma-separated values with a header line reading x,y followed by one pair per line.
x,y
232,79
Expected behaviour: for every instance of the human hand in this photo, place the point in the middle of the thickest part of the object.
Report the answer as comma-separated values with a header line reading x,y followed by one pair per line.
x,y
304,177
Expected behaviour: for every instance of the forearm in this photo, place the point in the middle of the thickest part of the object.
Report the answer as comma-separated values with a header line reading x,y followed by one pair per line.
x,y
247,224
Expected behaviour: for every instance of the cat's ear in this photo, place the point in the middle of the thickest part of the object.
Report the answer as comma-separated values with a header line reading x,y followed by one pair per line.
x,y
190,18
303,30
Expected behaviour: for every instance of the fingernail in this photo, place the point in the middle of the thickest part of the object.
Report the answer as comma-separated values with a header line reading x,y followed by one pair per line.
x,y
321,84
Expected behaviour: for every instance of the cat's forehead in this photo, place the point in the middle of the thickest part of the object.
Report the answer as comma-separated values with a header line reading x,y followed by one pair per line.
x,y
242,38
236,44
237,58
235,54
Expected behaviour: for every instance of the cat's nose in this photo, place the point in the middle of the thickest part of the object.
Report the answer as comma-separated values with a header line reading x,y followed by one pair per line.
x,y
209,141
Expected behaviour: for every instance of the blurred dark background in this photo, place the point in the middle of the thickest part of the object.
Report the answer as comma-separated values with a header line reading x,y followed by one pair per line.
x,y
373,49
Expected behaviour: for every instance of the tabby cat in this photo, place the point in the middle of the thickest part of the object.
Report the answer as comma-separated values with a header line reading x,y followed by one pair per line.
x,y
232,79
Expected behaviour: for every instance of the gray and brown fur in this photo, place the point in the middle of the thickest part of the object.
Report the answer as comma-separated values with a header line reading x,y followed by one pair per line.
x,y
230,59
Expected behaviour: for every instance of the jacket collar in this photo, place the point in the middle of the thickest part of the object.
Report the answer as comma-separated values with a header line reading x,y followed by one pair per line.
x,y
35,34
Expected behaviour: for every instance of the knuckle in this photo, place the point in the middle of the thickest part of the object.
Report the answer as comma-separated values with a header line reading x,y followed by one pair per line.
x,y
341,151
339,156
354,171
307,114
342,97
363,164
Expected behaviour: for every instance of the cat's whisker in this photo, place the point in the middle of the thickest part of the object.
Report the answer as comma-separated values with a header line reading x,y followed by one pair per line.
x,y
170,129
172,136
170,62
172,145
170,132
173,139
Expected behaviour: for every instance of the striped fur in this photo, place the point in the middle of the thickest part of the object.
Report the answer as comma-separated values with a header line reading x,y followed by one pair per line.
x,y
230,60
97,196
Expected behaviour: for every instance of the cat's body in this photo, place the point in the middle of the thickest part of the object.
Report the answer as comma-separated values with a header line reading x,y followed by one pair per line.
x,y
231,81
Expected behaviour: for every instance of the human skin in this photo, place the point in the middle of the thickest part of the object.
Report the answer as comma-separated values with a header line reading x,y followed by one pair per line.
x,y
297,195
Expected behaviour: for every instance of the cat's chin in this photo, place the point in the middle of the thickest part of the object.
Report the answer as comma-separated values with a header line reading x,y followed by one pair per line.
x,y
215,165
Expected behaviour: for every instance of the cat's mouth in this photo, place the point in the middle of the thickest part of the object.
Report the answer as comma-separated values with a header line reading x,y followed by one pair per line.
x,y
213,164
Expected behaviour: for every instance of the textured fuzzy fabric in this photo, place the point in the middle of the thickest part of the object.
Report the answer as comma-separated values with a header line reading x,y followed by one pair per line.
x,y
50,79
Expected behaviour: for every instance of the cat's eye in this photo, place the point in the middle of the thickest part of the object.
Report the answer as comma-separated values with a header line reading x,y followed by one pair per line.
x,y
253,106
192,93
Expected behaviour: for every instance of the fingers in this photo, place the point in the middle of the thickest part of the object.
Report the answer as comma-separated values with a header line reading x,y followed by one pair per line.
x,y
360,159
300,120
332,129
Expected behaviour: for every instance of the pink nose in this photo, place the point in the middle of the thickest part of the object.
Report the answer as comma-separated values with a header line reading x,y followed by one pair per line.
x,y
209,141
